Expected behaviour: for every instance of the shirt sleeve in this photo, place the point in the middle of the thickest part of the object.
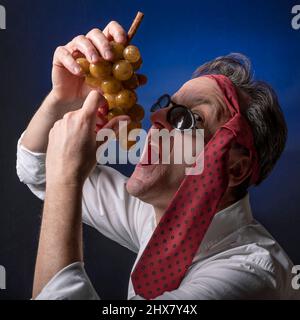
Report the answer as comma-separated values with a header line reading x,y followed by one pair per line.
x,y
106,205
71,283
31,169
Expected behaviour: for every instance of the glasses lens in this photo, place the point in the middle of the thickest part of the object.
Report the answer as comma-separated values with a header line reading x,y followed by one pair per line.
x,y
180,118
161,103
164,101
155,107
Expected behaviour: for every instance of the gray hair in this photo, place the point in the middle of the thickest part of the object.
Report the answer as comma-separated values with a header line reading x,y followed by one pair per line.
x,y
263,112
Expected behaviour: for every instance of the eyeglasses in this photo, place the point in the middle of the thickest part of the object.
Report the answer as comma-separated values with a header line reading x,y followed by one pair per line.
x,y
179,116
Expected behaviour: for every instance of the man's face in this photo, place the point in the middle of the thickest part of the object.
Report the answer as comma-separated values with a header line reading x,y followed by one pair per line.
x,y
157,183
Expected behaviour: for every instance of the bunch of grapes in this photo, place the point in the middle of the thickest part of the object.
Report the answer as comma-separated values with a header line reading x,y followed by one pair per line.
x,y
118,81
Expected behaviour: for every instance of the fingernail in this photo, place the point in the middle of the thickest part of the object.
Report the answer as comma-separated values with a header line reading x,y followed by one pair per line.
x,y
94,58
77,69
121,38
107,54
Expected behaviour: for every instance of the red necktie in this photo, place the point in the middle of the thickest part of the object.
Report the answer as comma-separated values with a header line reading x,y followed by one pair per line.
x,y
177,237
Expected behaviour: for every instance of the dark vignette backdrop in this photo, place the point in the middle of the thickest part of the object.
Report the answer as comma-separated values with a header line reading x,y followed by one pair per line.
x,y
175,38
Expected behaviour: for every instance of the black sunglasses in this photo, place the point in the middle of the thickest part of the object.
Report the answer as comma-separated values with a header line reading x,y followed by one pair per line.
x,y
179,116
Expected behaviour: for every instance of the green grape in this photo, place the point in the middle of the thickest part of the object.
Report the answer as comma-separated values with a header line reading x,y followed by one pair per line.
x,y
142,79
100,69
136,113
133,125
111,100
117,49
124,142
84,64
132,83
126,99
115,112
137,65
111,85
122,70
132,54
93,82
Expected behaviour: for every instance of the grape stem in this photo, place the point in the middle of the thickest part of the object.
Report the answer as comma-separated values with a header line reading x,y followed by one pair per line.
x,y
135,25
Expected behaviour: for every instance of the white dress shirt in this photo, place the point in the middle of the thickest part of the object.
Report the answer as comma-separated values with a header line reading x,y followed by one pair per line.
x,y
237,259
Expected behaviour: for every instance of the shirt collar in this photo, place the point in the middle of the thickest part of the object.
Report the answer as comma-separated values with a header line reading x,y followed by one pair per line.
x,y
227,221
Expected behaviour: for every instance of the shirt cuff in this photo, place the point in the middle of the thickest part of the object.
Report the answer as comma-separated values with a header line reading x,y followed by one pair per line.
x,y
30,168
71,283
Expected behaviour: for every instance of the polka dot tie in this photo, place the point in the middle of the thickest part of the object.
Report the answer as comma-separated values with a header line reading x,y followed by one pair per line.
x,y
172,247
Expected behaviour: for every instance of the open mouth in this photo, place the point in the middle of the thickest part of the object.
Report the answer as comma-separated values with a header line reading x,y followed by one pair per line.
x,y
152,153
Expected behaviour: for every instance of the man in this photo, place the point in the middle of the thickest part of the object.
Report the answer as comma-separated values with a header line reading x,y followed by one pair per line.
x,y
237,258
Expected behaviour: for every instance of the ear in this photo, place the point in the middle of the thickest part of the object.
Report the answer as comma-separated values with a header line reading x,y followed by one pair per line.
x,y
239,169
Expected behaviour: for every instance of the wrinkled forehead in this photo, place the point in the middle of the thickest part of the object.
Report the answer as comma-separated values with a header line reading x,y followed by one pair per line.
x,y
201,88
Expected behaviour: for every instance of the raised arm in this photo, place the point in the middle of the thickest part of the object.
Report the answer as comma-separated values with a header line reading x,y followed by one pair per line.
x,y
71,155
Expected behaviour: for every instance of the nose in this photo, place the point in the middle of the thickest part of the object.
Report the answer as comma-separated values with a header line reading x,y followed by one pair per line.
x,y
159,119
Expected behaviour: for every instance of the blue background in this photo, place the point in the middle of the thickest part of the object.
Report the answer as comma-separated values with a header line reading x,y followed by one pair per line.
x,y
175,38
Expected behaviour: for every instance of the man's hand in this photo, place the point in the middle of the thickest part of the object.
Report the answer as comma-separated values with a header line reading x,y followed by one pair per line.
x,y
71,153
68,84
69,87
